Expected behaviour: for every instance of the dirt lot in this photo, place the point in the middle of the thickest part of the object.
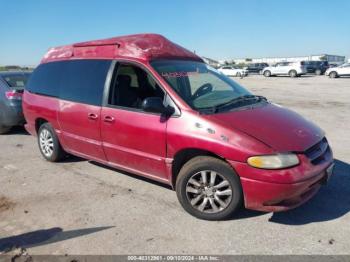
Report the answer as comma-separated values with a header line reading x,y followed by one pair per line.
x,y
78,207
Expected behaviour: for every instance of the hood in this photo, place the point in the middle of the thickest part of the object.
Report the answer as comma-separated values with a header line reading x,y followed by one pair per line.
x,y
281,129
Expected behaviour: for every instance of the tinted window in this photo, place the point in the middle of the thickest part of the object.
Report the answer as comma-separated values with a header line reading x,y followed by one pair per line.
x,y
83,81
45,79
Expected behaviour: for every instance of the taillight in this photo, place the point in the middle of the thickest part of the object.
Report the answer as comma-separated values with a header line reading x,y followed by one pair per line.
x,y
13,95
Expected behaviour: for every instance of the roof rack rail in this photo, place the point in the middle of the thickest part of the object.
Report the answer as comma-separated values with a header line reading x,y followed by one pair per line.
x,y
98,43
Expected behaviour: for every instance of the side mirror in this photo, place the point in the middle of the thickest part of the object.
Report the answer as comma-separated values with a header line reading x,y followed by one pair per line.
x,y
154,105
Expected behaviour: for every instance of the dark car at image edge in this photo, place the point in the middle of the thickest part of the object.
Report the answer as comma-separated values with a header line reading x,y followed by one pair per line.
x,y
11,90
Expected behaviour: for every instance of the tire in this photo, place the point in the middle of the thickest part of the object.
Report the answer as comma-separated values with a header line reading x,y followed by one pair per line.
x,y
293,73
210,201
4,129
238,74
318,72
267,73
49,145
333,74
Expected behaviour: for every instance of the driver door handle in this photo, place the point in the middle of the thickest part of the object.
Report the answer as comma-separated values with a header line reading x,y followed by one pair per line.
x,y
109,119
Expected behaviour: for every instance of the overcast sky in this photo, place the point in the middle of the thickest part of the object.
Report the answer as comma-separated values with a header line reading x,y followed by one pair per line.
x,y
217,29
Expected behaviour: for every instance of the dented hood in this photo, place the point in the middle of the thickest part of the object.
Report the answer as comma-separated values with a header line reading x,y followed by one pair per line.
x,y
281,129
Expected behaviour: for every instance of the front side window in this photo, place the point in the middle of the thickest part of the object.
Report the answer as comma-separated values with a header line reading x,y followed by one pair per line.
x,y
131,85
199,85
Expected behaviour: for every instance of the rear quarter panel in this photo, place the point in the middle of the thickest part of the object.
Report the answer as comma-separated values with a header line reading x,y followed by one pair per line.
x,y
38,106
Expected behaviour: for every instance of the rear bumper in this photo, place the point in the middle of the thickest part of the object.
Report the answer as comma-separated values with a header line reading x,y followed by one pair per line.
x,y
30,129
280,190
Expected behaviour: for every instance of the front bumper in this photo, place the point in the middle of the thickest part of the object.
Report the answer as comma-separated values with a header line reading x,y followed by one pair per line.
x,y
280,190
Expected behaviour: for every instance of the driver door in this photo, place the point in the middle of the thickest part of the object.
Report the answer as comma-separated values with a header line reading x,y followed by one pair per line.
x,y
132,139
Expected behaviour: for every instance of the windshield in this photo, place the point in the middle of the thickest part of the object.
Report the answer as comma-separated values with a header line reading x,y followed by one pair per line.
x,y
200,85
16,81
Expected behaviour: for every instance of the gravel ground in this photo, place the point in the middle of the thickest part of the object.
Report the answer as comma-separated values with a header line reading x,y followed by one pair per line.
x,y
79,207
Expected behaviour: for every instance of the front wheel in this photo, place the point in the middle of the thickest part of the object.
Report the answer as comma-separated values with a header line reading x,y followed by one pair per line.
x,y
238,74
209,189
49,144
333,74
267,73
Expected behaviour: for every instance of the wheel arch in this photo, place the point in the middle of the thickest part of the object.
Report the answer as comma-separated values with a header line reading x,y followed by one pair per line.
x,y
267,70
334,72
185,155
39,122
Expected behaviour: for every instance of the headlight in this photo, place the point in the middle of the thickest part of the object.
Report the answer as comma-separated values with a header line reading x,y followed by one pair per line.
x,y
273,161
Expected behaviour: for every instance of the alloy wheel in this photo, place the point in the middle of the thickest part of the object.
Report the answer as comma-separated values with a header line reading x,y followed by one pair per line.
x,y
208,192
46,142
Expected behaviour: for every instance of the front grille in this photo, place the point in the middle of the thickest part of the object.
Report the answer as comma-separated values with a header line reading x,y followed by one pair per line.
x,y
317,153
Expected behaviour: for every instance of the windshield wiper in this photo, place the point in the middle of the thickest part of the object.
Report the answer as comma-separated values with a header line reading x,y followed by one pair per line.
x,y
240,99
234,101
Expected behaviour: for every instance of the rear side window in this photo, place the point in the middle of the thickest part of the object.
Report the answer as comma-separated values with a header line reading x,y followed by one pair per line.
x,y
83,81
45,80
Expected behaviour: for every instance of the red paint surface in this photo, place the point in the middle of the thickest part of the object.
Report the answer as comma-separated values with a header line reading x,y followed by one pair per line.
x,y
146,144
144,47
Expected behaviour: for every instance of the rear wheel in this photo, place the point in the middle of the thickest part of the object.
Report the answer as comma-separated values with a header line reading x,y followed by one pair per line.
x,y
293,73
208,188
267,73
49,144
318,72
333,74
4,129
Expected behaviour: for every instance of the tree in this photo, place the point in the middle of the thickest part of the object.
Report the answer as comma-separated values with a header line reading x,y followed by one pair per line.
x,y
241,65
323,58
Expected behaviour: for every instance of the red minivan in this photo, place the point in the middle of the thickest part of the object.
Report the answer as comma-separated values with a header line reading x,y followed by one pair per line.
x,y
143,104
